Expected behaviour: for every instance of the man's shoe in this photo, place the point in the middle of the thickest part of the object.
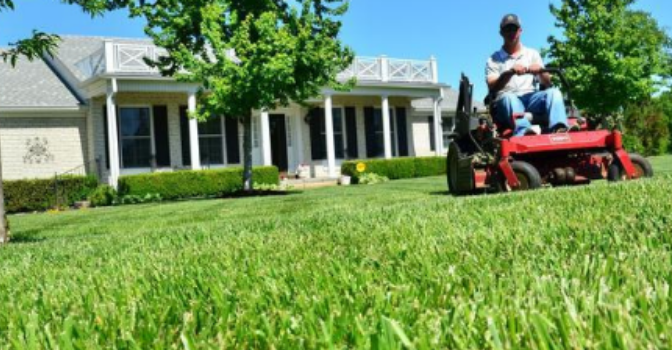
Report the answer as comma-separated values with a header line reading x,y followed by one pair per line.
x,y
559,130
574,128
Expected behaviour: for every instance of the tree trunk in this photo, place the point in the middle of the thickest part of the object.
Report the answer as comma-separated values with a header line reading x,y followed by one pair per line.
x,y
247,152
4,231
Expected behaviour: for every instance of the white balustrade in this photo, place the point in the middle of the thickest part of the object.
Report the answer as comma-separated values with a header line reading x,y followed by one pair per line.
x,y
129,58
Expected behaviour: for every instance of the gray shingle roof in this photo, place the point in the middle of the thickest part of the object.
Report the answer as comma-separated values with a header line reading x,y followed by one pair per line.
x,y
33,84
449,102
73,49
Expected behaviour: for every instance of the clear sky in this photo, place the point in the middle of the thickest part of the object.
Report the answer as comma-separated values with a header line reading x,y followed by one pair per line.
x,y
460,34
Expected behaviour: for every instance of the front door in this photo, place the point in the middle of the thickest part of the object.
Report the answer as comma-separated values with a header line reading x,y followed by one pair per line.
x,y
278,131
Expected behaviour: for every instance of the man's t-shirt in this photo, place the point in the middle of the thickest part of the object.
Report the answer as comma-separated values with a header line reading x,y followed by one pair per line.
x,y
501,61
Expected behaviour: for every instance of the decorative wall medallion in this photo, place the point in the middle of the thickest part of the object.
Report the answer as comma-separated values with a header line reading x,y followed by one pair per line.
x,y
37,151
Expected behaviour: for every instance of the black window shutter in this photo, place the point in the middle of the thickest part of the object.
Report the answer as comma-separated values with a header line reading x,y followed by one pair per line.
x,y
370,129
184,136
402,136
351,132
107,138
161,138
318,143
432,142
232,145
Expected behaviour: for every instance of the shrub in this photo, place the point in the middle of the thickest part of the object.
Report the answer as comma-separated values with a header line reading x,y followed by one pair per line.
x,y
102,196
372,179
189,184
135,199
42,194
398,168
645,129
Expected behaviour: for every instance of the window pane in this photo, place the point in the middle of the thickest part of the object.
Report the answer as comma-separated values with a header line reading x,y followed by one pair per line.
x,y
338,144
211,150
377,120
135,122
446,125
338,120
136,153
432,143
211,126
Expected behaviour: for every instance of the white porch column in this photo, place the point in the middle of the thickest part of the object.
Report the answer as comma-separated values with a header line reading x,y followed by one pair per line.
x,y
329,126
386,128
265,140
113,134
193,134
438,131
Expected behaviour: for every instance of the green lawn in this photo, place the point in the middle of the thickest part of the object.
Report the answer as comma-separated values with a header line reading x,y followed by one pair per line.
x,y
350,267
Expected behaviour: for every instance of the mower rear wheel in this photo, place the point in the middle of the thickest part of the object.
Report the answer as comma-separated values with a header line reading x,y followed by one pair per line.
x,y
642,168
528,176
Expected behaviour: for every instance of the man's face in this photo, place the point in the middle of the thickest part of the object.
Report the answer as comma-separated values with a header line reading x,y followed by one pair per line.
x,y
511,33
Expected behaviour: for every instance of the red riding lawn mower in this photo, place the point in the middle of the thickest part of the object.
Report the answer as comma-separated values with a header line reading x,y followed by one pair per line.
x,y
483,157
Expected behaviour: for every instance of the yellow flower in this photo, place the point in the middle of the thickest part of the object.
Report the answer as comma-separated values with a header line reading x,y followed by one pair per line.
x,y
361,167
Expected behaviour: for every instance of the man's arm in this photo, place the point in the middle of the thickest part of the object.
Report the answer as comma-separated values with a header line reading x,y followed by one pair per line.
x,y
536,67
497,82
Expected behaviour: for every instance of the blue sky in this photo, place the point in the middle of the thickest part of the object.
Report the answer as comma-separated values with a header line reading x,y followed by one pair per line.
x,y
460,34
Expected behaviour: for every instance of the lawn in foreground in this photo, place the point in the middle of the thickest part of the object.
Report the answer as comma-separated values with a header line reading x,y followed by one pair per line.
x,y
375,266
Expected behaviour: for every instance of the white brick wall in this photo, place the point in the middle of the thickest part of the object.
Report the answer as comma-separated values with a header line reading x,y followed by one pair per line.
x,y
63,136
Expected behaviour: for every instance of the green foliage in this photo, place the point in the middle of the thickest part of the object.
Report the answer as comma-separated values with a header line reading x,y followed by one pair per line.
x,y
102,196
610,53
363,267
32,48
372,179
41,43
282,53
646,129
135,199
189,184
43,194
397,168
665,103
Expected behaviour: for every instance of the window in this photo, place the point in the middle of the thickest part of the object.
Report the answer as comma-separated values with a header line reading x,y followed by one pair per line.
x,y
378,125
318,133
210,141
136,137
339,134
446,126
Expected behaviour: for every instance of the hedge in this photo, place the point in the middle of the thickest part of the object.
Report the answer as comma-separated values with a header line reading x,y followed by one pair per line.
x,y
41,194
397,168
190,183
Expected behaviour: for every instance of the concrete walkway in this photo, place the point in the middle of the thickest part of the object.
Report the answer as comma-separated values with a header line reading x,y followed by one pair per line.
x,y
304,184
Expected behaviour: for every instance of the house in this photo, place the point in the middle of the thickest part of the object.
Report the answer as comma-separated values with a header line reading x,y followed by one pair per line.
x,y
97,108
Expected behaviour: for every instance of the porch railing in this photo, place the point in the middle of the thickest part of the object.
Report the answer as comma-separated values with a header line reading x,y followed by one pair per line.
x,y
119,57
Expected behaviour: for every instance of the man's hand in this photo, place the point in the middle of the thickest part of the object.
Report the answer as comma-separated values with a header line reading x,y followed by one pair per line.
x,y
519,69
535,69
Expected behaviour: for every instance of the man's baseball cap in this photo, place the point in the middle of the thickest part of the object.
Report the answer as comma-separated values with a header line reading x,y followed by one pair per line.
x,y
510,19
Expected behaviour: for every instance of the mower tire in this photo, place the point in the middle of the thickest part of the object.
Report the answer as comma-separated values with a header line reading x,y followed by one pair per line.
x,y
459,171
642,166
527,175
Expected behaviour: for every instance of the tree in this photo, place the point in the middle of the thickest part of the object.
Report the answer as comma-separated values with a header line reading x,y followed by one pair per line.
x,y
248,54
34,47
613,56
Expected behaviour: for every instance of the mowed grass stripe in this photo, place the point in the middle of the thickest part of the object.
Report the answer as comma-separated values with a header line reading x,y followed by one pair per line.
x,y
367,266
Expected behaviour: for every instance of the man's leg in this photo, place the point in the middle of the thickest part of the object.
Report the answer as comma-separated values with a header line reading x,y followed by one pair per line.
x,y
551,105
506,107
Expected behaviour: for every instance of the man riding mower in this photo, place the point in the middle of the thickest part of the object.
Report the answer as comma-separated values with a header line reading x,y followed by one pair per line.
x,y
532,141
